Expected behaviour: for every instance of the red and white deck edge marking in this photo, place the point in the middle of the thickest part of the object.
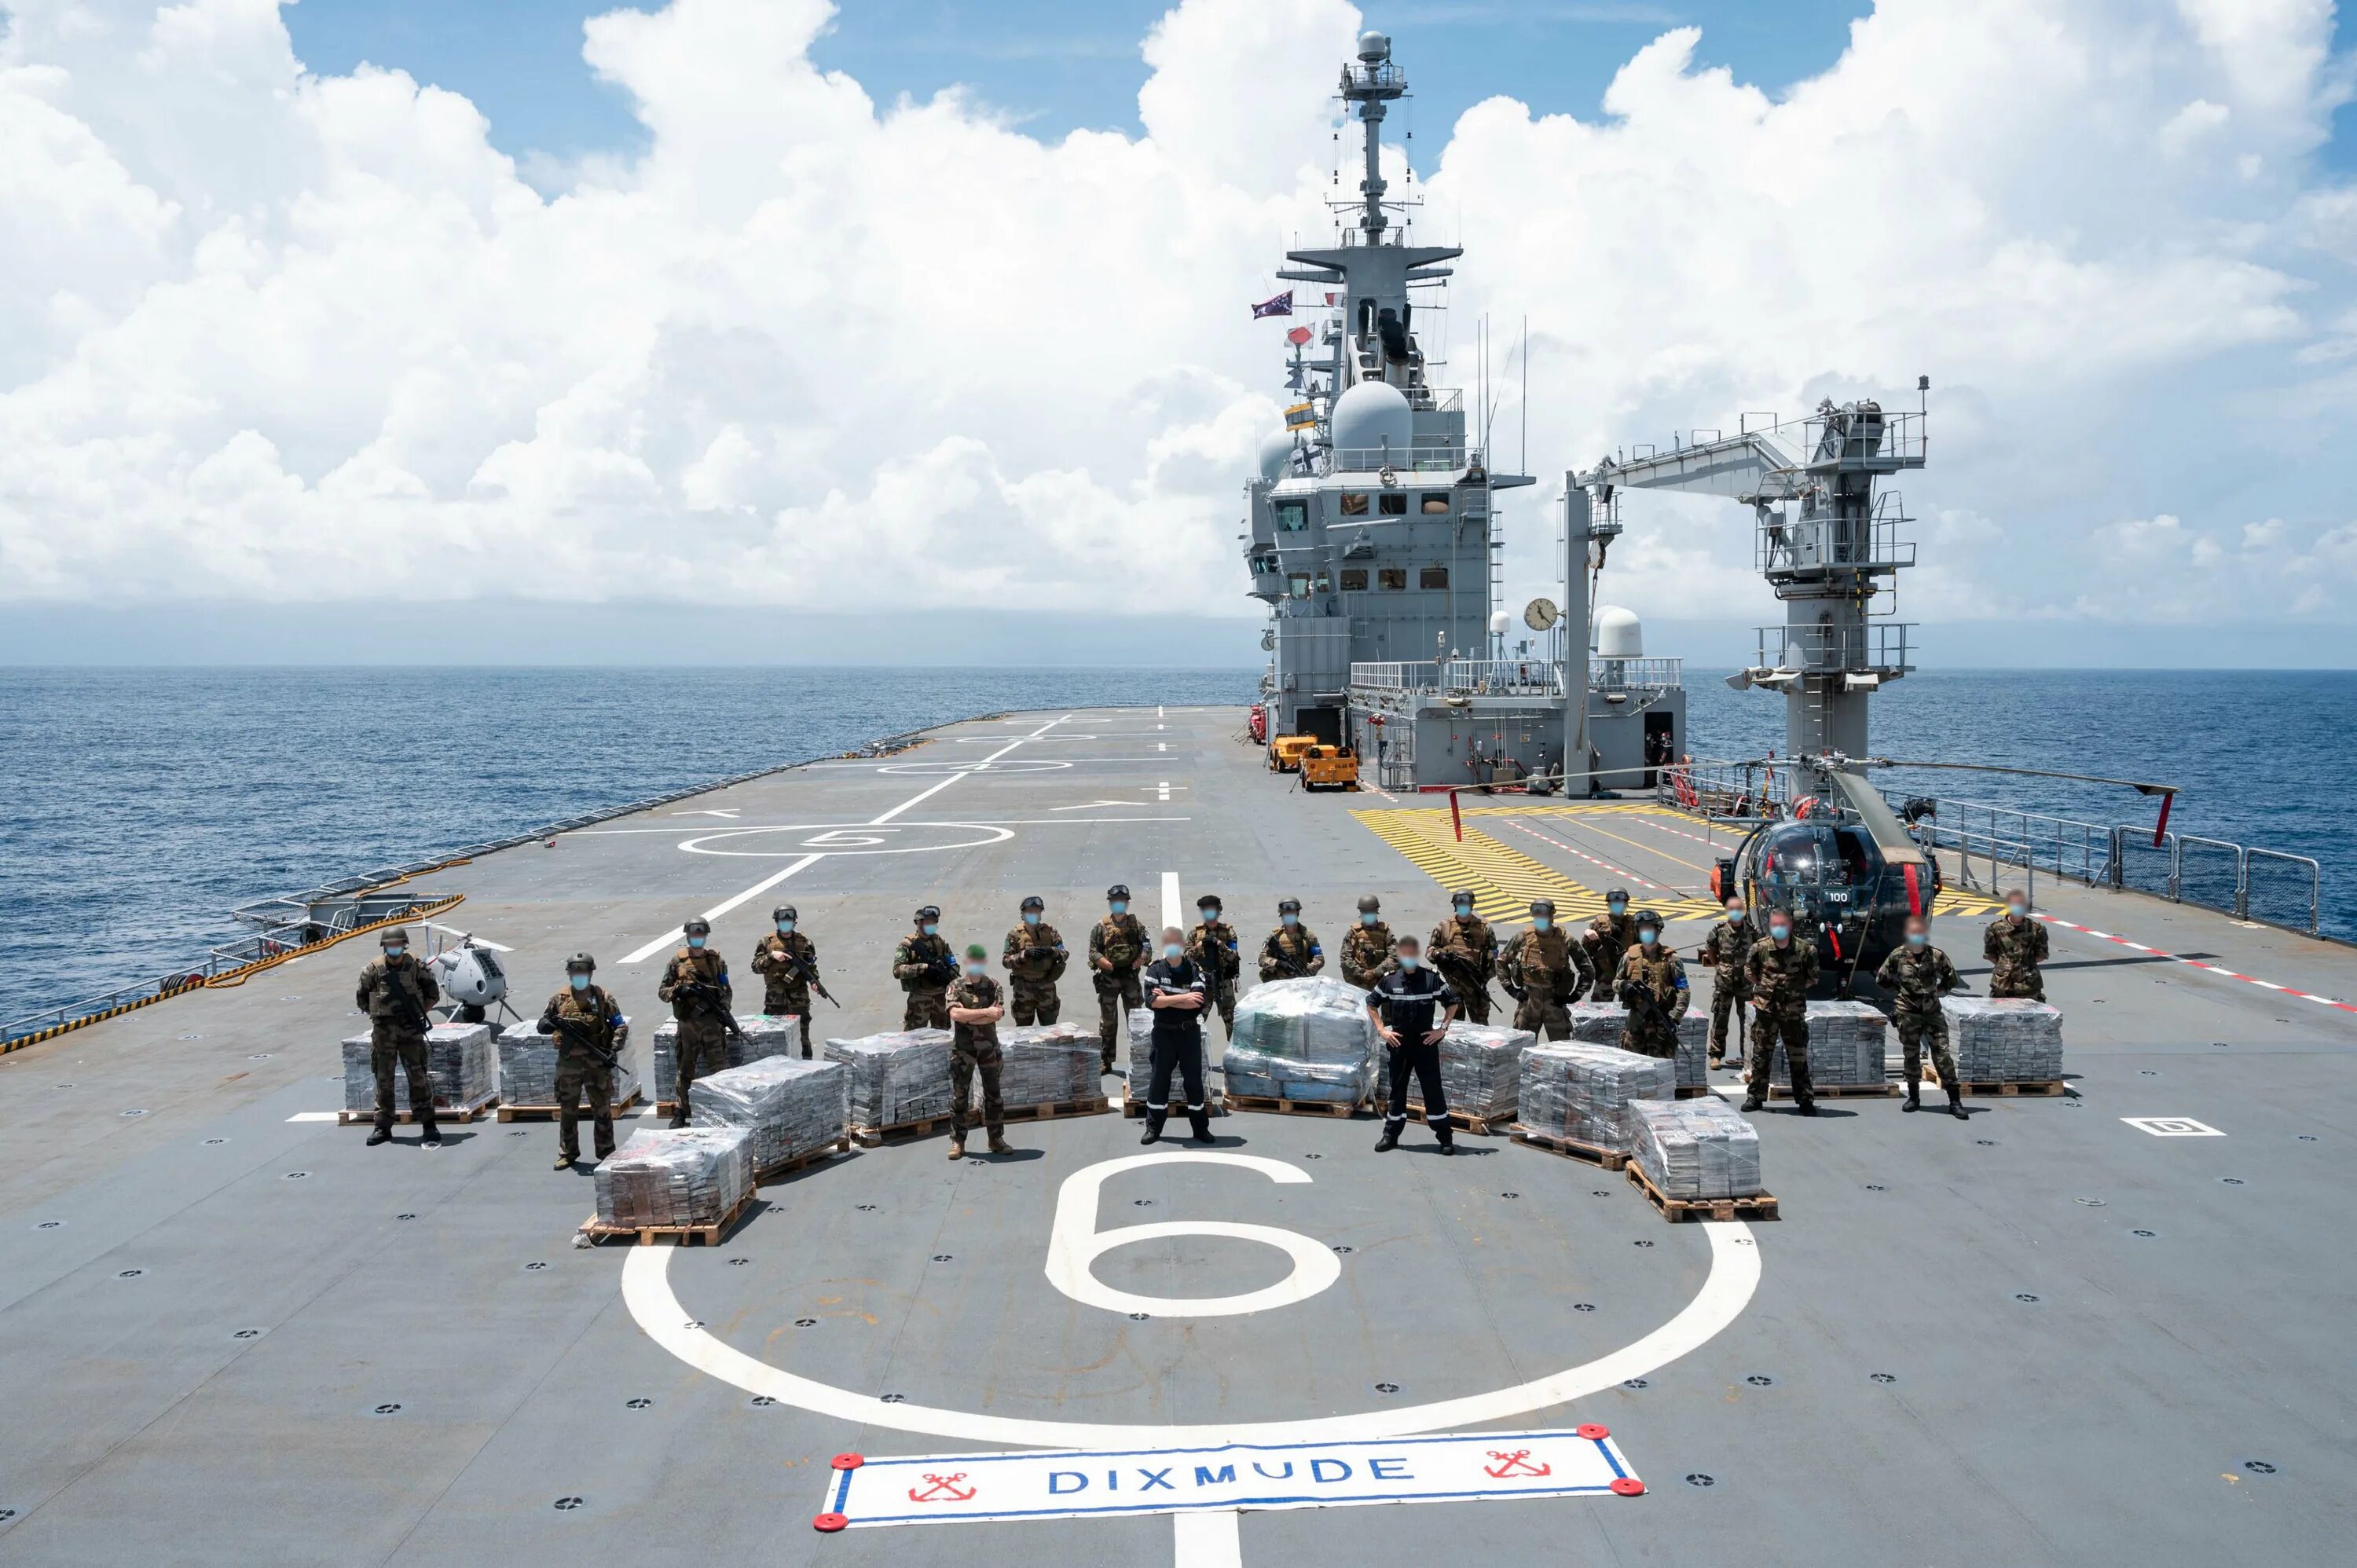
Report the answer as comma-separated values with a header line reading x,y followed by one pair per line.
x,y
2197,963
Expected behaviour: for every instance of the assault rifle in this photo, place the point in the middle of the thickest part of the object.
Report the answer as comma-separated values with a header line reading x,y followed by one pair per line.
x,y
705,998
1639,1000
577,1032
409,1012
807,973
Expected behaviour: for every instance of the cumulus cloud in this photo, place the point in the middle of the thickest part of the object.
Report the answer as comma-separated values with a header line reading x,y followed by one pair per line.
x,y
276,335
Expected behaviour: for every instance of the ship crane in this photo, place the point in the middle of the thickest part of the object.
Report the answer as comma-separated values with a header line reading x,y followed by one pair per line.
x,y
1830,543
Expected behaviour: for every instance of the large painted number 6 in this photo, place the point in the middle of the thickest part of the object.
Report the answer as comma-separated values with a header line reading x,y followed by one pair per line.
x,y
1075,1243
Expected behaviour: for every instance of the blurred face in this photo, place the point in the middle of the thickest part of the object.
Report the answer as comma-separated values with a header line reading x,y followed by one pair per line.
x,y
1647,936
1779,927
578,980
1917,934
1408,955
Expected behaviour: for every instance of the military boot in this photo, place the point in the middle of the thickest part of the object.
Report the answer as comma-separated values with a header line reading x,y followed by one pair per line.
x,y
1201,1121
1153,1134
999,1145
1956,1103
380,1135
1752,1103
957,1145
1390,1140
433,1139
1914,1095
1448,1138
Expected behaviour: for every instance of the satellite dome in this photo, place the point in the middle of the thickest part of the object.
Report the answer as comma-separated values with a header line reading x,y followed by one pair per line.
x,y
1618,633
1276,455
1501,623
1373,46
1368,421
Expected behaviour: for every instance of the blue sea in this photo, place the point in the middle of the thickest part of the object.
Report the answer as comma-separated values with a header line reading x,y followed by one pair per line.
x,y
137,807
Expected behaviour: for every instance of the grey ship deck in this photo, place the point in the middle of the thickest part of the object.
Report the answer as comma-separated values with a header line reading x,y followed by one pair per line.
x,y
2044,1336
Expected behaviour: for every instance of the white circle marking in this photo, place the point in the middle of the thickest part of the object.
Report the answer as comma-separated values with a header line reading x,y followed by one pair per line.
x,y
1074,1243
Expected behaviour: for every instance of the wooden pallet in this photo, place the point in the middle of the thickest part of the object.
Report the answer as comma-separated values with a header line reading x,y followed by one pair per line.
x,y
899,1132
1692,1090
1999,1087
807,1157
685,1235
1677,1209
550,1112
1214,1101
1055,1110
454,1115
1837,1090
1334,1108
1468,1121
1570,1148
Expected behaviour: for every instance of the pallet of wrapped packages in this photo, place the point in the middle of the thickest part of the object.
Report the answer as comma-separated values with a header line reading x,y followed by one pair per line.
x,y
1481,1073
1696,1159
793,1111
687,1185
459,1060
1573,1098
1303,1047
899,1082
1600,1023
1047,1070
528,1072
1848,1050
1140,1059
757,1034
2003,1045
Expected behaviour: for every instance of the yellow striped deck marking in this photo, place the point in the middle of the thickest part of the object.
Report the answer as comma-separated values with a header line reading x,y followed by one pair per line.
x,y
1504,880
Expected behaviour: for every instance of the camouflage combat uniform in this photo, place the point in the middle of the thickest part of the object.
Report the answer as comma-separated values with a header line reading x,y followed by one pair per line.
x,y
973,1047
1779,980
1917,978
395,997
1291,953
703,1037
593,1012
1663,977
1465,952
1728,944
2015,949
923,967
1607,937
786,990
1034,958
1367,955
1547,968
1120,940
1212,945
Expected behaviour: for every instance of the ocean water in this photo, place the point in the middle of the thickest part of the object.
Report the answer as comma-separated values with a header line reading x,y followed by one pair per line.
x,y
138,806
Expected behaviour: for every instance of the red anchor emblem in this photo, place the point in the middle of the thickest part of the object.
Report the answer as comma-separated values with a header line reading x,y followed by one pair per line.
x,y
1518,1463
944,1489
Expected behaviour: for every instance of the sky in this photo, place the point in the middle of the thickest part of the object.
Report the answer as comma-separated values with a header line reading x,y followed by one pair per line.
x,y
868,313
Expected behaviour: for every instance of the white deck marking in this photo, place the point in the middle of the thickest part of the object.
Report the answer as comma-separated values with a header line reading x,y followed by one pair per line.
x,y
315,1116
1173,907
1208,1539
453,931
1074,1242
661,942
1734,1277
2221,970
2172,1126
707,811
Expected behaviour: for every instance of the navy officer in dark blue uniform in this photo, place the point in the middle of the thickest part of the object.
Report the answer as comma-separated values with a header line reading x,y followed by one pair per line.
x,y
1175,991
1412,1007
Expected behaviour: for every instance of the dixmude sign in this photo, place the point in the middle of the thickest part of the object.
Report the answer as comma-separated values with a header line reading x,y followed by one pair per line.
x,y
970,1487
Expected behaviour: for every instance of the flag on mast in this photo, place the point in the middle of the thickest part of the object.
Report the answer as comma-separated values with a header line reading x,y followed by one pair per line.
x,y
1281,305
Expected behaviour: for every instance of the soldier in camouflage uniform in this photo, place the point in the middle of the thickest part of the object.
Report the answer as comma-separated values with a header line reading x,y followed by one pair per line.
x,y
1212,945
1729,944
923,965
1292,950
785,960
1465,951
695,984
1917,975
1116,953
394,992
1650,973
1034,958
583,1017
1607,936
1544,970
1778,972
2015,947
974,1009
1367,952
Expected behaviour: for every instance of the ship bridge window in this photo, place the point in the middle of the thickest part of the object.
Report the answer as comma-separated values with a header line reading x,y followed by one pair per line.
x,y
1299,585
1394,503
1390,577
1354,503
1292,517
1436,505
1354,579
1432,577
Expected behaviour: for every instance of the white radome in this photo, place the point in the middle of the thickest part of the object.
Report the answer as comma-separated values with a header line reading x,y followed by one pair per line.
x,y
1618,633
1369,420
1276,455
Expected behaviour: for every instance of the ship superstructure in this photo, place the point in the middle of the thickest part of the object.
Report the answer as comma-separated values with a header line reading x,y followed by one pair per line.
x,y
1375,537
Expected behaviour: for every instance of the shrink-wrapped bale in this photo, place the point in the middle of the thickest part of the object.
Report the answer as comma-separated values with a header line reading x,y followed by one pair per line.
x,y
898,1077
1049,1064
1582,1092
1600,1023
458,1058
1307,1039
787,1107
1695,1149
528,1066
760,1034
692,1176
1481,1067
1846,1046
2004,1039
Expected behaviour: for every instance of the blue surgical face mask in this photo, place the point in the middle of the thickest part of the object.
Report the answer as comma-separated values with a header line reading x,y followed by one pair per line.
x,y
1541,922
974,970
1916,938
1172,951
785,927
1210,912
1463,910
2017,910
1290,920
931,929
1366,916
1030,917
1119,906
1735,911
580,981
1648,937
695,941
1409,961
1617,906
394,952
1780,931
